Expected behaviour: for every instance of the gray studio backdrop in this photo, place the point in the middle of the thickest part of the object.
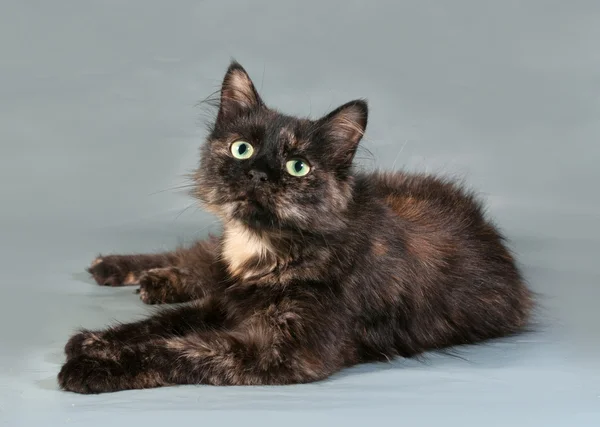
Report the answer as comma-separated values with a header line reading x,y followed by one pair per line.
x,y
99,124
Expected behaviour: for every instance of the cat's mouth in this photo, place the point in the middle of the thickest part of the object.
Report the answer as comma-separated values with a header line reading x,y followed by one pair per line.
x,y
253,213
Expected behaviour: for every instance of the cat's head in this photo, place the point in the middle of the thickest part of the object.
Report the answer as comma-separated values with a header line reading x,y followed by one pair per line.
x,y
271,171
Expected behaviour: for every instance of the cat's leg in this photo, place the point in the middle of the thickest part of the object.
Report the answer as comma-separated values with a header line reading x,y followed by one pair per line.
x,y
280,345
172,322
183,275
168,285
195,274
122,270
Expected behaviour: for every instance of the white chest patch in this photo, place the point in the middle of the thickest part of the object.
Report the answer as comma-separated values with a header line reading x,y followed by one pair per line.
x,y
241,246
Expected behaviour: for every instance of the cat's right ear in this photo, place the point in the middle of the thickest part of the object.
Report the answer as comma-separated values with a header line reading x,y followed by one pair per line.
x,y
238,93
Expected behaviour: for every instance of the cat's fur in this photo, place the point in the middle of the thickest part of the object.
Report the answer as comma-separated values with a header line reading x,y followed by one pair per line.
x,y
312,274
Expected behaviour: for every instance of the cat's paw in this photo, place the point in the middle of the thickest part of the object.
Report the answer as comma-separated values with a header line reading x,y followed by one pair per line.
x,y
74,346
113,270
89,375
90,344
160,285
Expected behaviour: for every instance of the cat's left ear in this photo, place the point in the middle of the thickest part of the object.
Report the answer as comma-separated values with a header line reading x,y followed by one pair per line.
x,y
343,129
238,93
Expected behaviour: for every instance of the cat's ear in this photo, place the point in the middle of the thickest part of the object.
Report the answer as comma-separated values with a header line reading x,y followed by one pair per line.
x,y
343,129
238,93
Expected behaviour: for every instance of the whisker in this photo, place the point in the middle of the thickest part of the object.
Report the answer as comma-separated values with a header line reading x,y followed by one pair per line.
x,y
398,155
183,210
179,187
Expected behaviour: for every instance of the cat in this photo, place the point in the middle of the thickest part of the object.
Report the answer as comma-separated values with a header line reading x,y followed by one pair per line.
x,y
319,267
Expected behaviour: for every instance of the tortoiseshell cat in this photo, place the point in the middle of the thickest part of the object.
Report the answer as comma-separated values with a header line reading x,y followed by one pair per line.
x,y
319,267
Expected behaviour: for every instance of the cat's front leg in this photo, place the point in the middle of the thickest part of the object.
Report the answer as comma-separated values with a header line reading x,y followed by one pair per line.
x,y
183,275
169,285
123,270
195,276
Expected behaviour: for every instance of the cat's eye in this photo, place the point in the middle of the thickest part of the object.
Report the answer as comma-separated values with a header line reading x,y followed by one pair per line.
x,y
297,167
242,150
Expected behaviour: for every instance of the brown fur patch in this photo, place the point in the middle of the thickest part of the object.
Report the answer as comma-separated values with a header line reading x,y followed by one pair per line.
x,y
408,207
426,238
130,279
379,248
427,248
191,348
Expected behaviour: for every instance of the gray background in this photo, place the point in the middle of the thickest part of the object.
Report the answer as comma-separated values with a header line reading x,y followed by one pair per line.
x,y
98,118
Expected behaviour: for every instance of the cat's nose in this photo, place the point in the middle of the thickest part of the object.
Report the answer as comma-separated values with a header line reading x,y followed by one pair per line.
x,y
258,176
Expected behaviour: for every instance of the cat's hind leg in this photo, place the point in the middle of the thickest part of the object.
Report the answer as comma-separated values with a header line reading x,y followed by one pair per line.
x,y
283,344
111,343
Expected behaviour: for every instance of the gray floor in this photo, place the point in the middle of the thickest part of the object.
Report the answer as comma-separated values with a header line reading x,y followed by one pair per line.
x,y
98,118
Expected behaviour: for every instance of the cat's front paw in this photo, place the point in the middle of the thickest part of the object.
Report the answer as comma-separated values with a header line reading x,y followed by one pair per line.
x,y
160,285
113,270
88,375
74,346
90,344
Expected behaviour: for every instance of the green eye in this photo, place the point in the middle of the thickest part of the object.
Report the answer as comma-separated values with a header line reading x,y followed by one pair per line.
x,y
242,150
297,167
